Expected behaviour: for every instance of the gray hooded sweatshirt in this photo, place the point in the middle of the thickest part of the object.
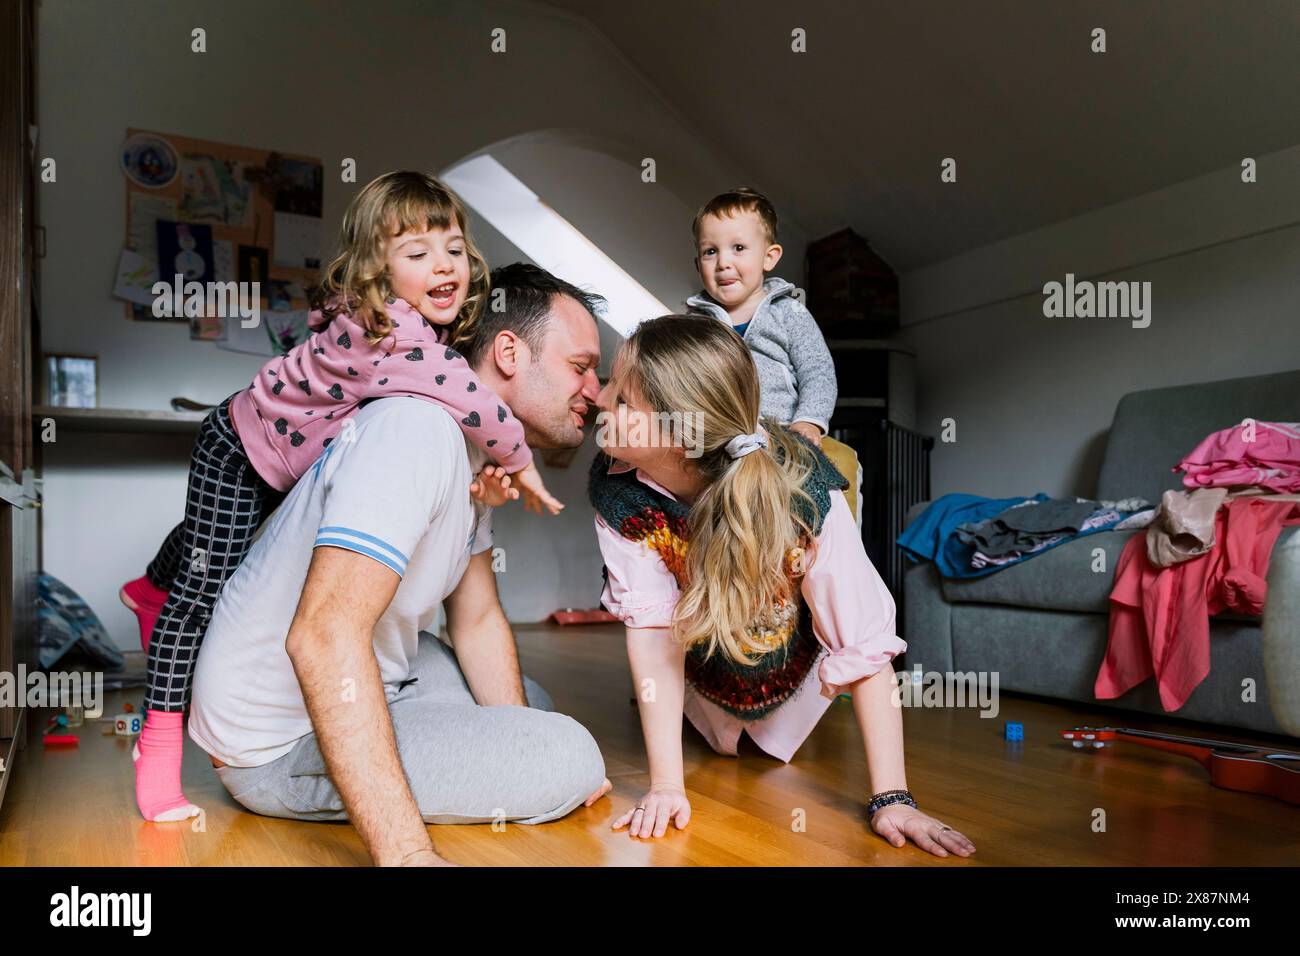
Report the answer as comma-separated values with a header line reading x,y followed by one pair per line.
x,y
795,373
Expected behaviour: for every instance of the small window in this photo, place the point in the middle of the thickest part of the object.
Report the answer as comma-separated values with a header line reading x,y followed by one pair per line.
x,y
547,238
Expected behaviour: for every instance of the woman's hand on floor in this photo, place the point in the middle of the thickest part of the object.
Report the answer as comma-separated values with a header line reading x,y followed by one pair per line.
x,y
898,822
650,817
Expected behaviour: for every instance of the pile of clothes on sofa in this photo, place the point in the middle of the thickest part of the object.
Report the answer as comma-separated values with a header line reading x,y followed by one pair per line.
x,y
1206,551
968,536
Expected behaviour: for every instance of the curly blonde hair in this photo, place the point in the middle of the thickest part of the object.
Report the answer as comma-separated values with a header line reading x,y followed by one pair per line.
x,y
357,280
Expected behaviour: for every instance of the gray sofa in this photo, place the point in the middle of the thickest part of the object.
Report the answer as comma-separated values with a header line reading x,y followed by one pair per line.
x,y
1042,623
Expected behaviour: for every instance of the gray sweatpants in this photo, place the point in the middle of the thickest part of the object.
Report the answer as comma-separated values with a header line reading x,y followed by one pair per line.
x,y
464,763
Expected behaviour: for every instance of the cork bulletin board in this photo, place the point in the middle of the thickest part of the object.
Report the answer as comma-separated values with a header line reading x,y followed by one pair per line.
x,y
216,212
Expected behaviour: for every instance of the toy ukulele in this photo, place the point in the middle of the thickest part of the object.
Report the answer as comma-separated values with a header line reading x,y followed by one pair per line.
x,y
1232,766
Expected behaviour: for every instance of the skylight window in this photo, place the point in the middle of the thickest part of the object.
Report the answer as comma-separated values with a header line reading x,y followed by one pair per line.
x,y
550,240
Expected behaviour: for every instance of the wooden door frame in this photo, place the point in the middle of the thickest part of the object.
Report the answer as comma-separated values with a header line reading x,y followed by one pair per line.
x,y
17,231
19,348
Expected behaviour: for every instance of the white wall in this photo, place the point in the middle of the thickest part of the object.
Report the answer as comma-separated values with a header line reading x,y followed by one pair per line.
x,y
645,228
1033,397
406,84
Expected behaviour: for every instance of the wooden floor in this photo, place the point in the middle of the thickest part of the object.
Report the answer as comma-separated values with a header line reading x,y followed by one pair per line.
x,y
1022,804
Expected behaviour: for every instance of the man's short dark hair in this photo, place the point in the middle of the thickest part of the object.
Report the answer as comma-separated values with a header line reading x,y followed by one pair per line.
x,y
525,294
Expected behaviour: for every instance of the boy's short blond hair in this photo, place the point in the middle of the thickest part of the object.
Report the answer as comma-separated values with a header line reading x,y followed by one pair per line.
x,y
739,200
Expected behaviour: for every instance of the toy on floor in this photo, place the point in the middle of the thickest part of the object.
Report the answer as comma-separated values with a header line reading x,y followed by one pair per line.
x,y
1014,730
570,615
1232,766
127,725
51,739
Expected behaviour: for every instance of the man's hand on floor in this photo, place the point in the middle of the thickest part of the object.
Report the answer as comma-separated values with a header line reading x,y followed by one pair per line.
x,y
425,858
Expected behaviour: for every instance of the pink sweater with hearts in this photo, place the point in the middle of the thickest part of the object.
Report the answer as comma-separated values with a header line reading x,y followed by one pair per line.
x,y
299,401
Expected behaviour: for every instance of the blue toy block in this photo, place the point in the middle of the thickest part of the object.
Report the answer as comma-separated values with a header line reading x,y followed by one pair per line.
x,y
1015,730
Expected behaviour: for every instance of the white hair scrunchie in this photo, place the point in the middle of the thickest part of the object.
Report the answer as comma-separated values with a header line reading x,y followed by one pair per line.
x,y
742,445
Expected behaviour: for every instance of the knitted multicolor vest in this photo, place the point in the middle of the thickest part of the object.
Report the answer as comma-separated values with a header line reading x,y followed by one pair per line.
x,y
642,514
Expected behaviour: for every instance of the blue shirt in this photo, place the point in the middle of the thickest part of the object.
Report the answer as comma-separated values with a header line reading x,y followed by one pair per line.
x,y
931,536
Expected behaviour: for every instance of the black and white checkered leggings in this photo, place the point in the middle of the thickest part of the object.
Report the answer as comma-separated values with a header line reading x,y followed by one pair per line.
x,y
224,505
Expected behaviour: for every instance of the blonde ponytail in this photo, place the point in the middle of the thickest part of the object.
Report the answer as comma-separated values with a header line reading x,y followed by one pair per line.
x,y
744,530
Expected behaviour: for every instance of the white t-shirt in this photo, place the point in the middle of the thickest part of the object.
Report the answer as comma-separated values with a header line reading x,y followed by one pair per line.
x,y
398,492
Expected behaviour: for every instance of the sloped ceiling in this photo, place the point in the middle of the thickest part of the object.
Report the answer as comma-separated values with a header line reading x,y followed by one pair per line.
x,y
853,131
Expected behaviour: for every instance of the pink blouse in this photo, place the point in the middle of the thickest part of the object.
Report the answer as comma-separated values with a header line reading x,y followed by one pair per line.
x,y
852,614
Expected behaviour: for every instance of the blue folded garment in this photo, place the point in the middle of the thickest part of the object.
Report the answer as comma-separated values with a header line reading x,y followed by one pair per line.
x,y
931,536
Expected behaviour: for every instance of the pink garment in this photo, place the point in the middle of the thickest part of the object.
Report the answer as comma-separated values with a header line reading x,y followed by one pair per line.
x,y
299,401
1271,460
1160,617
852,614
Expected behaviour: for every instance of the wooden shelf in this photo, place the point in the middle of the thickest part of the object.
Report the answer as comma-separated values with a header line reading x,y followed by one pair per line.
x,y
118,419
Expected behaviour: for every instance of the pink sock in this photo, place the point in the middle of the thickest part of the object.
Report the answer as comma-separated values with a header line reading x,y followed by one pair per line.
x,y
157,758
149,601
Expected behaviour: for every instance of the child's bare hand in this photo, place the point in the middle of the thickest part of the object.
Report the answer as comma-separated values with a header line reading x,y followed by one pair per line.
x,y
809,431
536,497
491,487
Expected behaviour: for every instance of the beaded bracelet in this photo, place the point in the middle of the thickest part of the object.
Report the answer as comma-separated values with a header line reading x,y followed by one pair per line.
x,y
888,797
